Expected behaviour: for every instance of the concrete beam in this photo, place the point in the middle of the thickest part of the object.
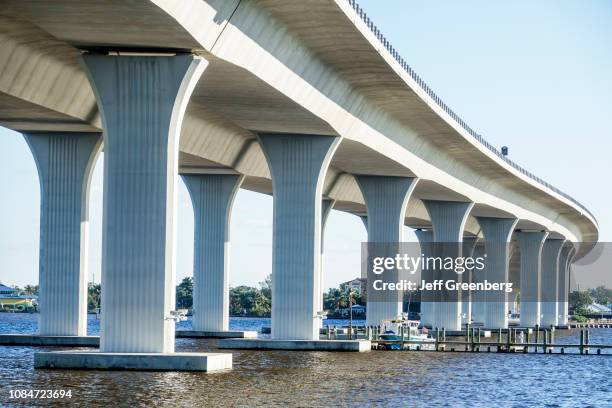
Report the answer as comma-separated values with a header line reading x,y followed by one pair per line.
x,y
298,164
212,196
65,162
530,246
142,100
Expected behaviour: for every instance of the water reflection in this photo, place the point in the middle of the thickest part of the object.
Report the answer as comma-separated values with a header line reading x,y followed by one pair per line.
x,y
269,378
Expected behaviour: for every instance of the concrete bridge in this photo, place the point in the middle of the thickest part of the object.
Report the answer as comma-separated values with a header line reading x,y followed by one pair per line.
x,y
306,101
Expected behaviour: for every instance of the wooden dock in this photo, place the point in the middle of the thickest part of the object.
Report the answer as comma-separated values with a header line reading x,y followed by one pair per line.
x,y
512,340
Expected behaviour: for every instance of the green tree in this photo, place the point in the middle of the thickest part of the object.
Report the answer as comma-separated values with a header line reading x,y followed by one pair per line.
x,y
94,296
601,295
249,301
579,300
266,288
184,294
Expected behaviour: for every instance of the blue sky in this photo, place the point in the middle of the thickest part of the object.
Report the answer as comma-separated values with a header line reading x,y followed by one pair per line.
x,y
535,76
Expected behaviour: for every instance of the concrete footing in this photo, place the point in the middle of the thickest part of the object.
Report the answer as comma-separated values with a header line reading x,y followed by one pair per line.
x,y
38,340
309,345
322,330
134,361
226,334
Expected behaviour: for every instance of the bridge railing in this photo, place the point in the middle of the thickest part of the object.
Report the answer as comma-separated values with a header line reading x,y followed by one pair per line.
x,y
361,13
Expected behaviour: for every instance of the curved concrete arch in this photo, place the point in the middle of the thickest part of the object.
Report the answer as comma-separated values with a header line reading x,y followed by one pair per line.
x,y
262,62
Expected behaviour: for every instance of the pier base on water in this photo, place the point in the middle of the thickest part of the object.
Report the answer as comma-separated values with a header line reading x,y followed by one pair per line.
x,y
311,345
134,361
225,334
322,330
38,340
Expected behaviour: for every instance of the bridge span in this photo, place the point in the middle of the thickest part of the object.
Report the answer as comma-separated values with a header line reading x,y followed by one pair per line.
x,y
306,101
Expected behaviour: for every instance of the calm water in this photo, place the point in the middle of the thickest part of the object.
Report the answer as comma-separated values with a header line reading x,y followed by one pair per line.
x,y
379,378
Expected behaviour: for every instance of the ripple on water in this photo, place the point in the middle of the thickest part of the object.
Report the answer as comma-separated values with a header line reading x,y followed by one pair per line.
x,y
272,378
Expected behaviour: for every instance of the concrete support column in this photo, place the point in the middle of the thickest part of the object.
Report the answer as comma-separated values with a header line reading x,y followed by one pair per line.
x,y
565,258
212,196
478,301
386,199
298,164
428,307
469,249
448,220
549,285
530,246
326,206
497,234
64,162
142,101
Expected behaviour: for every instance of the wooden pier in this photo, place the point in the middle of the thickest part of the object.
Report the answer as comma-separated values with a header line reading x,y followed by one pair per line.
x,y
512,340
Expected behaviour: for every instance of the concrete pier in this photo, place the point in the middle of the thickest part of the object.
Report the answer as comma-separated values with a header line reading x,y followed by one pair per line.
x,y
224,334
565,259
298,164
212,196
38,340
302,345
65,162
142,100
549,286
142,121
134,361
497,234
469,251
386,199
477,299
448,220
326,207
428,306
530,245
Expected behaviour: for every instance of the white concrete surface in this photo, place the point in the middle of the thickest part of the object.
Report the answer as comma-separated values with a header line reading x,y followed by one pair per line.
x,y
133,361
469,251
497,235
530,245
64,162
565,260
428,305
549,286
448,221
305,345
142,100
38,340
326,207
298,164
386,200
226,334
212,196
267,58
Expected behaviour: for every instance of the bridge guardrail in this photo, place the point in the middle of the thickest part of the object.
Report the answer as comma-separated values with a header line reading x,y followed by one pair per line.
x,y
364,17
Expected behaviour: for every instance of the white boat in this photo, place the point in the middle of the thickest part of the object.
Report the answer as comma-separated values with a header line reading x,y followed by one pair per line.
x,y
409,331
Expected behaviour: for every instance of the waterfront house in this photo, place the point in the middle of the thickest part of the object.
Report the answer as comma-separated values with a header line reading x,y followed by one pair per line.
x,y
12,301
